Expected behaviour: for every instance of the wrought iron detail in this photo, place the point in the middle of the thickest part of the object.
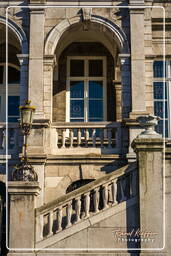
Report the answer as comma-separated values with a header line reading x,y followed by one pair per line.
x,y
24,171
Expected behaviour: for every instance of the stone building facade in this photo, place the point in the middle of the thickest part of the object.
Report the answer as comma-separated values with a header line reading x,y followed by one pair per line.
x,y
91,69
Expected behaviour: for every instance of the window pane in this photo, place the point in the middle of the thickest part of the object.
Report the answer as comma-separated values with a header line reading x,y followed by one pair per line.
x,y
77,120
76,67
13,76
159,127
77,89
77,108
158,90
158,69
158,108
96,89
1,74
95,109
95,68
13,105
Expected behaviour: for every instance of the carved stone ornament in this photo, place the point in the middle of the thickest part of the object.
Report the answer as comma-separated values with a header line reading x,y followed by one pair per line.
x,y
86,13
24,172
148,122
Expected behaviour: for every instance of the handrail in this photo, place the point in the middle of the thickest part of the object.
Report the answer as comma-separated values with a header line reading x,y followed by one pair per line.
x,y
92,185
63,125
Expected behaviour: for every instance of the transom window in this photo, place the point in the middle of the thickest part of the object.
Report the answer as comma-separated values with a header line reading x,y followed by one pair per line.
x,y
13,92
86,89
162,93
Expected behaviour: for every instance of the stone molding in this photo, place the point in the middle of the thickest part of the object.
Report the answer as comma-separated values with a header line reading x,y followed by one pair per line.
x,y
150,144
19,32
56,33
23,188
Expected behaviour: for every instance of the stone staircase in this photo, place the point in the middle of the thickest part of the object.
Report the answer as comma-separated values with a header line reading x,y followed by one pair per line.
x,y
86,206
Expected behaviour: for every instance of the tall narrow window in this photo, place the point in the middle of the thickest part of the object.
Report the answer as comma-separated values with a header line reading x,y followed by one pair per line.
x,y
86,89
161,92
13,92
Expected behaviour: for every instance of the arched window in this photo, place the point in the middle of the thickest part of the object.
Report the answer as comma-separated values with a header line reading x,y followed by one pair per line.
x,y
13,92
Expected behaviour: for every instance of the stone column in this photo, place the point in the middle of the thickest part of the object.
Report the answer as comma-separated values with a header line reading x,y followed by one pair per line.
x,y
35,91
149,150
118,92
22,203
48,66
137,59
23,59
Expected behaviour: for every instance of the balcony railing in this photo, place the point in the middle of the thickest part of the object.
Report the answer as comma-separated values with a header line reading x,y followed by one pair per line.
x,y
13,138
95,197
105,136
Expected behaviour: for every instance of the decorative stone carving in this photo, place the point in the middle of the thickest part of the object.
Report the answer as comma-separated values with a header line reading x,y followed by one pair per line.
x,y
148,122
24,172
86,13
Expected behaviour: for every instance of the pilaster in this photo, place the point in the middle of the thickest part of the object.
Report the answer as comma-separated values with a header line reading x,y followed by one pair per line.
x,y
22,202
23,60
151,195
49,62
35,91
137,60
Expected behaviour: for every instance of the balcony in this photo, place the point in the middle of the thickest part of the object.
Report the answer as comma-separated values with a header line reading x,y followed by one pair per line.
x,y
90,137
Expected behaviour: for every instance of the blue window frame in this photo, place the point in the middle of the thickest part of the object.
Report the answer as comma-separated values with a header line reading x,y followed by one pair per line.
x,y
161,95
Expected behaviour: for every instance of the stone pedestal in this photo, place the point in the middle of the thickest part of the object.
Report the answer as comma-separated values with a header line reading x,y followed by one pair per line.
x,y
151,190
22,202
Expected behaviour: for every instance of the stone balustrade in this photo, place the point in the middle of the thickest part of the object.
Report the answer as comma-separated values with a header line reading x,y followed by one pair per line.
x,y
13,137
104,135
86,201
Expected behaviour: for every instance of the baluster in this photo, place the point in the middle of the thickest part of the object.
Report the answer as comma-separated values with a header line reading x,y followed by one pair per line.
x,y
71,137
96,200
50,223
1,138
122,181
109,138
105,196
78,208
68,214
114,191
133,183
39,228
101,137
79,137
87,204
63,138
59,219
118,138
86,137
57,138
94,137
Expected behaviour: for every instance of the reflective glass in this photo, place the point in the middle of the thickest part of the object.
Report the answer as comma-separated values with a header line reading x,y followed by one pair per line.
x,y
95,68
77,108
96,109
158,108
159,127
76,67
158,69
13,105
77,89
13,75
158,90
96,89
1,74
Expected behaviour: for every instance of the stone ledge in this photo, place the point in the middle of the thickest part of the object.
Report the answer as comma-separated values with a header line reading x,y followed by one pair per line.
x,y
23,188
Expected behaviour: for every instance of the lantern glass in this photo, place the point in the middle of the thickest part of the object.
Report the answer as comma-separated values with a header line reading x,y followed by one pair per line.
x,y
26,114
